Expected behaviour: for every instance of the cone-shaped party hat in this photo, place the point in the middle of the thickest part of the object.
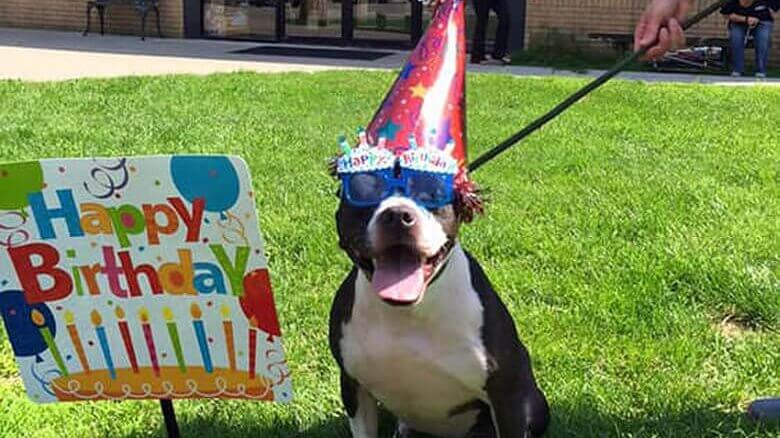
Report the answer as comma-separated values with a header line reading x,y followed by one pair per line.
x,y
426,102
421,125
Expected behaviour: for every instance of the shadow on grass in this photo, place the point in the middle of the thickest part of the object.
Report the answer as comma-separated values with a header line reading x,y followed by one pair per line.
x,y
335,427
584,420
579,420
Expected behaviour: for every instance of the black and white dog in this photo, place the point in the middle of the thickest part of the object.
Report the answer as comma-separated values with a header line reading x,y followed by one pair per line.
x,y
417,327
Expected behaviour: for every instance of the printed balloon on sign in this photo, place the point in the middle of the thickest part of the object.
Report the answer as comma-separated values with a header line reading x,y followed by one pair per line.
x,y
213,179
23,332
18,180
258,302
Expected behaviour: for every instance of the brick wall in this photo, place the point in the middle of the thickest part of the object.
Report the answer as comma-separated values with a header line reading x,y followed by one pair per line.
x,y
570,21
120,18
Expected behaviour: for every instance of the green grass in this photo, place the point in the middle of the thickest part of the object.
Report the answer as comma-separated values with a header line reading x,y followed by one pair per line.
x,y
570,59
620,236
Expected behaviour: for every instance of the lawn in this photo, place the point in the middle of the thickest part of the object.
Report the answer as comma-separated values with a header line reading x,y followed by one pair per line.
x,y
635,240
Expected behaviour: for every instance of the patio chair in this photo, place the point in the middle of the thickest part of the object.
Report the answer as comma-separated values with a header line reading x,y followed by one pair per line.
x,y
142,7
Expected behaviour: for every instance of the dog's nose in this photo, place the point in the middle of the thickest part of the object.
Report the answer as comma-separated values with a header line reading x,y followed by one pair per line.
x,y
402,217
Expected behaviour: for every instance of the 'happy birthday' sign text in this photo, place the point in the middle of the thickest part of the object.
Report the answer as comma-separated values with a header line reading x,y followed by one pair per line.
x,y
183,276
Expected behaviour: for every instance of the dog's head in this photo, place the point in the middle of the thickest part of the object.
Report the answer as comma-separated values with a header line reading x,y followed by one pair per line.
x,y
400,244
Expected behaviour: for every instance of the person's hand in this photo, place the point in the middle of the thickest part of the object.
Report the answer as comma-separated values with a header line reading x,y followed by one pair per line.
x,y
752,21
660,25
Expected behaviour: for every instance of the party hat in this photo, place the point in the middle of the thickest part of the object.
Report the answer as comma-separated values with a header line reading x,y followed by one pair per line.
x,y
421,123
425,106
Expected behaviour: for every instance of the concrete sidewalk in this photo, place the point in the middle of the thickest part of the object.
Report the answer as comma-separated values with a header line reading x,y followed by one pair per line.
x,y
38,55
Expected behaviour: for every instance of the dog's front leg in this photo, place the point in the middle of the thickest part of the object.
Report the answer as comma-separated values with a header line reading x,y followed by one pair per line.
x,y
518,411
361,408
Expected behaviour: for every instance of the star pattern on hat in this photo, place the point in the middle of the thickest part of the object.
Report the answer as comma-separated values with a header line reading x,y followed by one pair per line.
x,y
448,136
389,130
408,68
419,90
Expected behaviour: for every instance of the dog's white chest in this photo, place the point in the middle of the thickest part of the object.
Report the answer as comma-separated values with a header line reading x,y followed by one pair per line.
x,y
421,362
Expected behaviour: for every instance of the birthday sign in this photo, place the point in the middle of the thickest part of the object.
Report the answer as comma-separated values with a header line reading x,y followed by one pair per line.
x,y
138,278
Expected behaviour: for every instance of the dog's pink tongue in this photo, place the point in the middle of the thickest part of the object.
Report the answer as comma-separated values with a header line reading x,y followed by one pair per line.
x,y
398,277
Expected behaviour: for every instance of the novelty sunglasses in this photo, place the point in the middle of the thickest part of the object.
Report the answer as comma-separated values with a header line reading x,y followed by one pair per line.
x,y
369,189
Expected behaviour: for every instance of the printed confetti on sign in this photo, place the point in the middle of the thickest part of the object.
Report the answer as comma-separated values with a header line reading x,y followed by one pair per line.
x,y
111,289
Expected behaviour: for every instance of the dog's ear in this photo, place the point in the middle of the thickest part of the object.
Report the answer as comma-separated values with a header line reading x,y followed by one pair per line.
x,y
333,166
469,201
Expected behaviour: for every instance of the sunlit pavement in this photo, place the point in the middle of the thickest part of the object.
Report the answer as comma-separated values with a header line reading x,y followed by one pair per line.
x,y
41,55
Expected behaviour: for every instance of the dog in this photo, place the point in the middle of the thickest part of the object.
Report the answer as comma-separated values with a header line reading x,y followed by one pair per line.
x,y
417,327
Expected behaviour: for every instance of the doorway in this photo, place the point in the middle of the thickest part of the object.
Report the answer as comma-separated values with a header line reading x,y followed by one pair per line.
x,y
240,19
391,23
313,19
384,20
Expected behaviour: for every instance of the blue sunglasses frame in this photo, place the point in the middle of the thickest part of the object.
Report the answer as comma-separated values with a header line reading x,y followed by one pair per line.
x,y
402,184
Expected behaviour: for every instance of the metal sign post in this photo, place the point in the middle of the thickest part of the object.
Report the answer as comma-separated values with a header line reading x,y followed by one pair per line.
x,y
171,426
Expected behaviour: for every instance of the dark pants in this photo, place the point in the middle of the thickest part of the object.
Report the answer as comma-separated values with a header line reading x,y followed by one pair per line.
x,y
482,8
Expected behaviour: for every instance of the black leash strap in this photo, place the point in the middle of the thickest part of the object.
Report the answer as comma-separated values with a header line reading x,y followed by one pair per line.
x,y
584,91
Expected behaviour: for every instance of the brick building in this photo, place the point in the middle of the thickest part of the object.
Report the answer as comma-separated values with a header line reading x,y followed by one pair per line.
x,y
70,15
535,23
555,22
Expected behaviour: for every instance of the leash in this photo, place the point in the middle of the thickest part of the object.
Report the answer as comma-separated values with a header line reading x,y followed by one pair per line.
x,y
584,91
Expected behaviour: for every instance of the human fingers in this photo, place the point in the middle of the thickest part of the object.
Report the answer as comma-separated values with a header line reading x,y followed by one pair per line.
x,y
663,45
649,26
682,10
677,36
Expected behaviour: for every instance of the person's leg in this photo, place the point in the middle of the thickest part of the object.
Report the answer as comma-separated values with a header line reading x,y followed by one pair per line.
x,y
500,46
763,39
482,9
737,38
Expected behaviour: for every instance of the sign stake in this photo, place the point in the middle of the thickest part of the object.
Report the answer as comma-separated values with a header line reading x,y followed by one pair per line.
x,y
171,426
